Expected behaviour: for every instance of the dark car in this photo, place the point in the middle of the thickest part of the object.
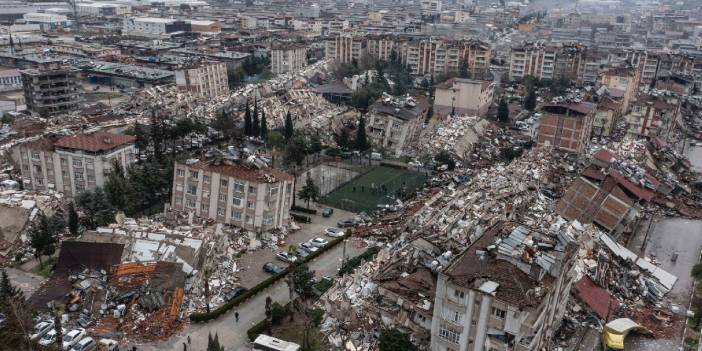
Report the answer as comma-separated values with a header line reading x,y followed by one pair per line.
x,y
231,294
272,268
327,212
347,223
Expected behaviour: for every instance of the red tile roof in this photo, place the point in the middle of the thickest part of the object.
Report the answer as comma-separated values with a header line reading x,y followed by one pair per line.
x,y
638,191
93,142
599,300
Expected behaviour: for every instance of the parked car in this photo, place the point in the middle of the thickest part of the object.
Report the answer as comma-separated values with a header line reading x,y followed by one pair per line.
x,y
50,337
286,257
107,345
40,329
327,212
231,294
318,242
350,222
85,344
272,268
302,253
307,246
73,337
334,232
415,164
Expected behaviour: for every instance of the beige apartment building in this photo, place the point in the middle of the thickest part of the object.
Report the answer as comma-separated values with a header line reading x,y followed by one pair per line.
x,y
464,97
437,56
532,59
344,48
205,78
242,194
72,164
288,58
503,292
567,126
622,82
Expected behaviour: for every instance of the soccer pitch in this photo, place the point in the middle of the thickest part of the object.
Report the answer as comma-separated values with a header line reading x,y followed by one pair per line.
x,y
379,186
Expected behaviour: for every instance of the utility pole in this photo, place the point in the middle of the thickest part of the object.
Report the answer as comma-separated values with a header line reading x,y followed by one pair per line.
x,y
76,18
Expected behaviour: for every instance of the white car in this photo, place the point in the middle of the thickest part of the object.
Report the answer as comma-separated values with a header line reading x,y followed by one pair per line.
x,y
41,329
308,247
286,257
73,337
334,232
318,242
50,337
415,164
85,344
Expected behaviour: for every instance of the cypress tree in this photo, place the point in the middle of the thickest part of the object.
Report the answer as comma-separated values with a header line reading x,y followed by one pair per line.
x,y
264,126
247,120
255,124
289,130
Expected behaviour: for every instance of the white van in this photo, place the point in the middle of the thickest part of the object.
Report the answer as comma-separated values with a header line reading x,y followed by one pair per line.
x,y
85,344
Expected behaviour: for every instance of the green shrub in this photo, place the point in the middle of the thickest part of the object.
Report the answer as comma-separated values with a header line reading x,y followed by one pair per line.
x,y
301,218
303,209
317,315
258,329
279,312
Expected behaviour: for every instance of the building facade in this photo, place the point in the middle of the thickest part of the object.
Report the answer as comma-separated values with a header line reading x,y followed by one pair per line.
x,y
208,79
344,48
288,58
624,82
464,97
51,89
567,126
73,164
393,122
241,194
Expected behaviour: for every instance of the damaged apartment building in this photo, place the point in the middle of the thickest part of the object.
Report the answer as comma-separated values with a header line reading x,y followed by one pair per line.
x,y
233,190
505,292
394,122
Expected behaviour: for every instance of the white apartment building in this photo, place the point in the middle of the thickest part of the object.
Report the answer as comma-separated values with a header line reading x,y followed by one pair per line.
x,y
431,7
288,58
102,9
344,48
10,79
72,164
464,97
534,60
242,194
488,298
152,27
208,79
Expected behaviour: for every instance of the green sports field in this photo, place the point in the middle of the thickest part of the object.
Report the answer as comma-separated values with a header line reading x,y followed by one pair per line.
x,y
380,185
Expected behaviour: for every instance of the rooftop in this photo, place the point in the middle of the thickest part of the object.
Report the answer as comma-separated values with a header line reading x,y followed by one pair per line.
x,y
249,173
405,109
94,142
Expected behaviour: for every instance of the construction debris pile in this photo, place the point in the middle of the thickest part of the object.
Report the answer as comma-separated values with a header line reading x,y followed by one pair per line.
x,y
456,135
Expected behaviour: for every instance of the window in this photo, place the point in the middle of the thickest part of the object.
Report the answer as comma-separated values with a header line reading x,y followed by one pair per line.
x,y
288,188
459,294
89,164
449,334
194,174
179,187
268,220
37,169
206,179
35,156
192,189
220,211
91,178
274,191
180,173
205,194
498,313
239,187
223,182
250,204
179,201
236,201
77,163
222,197
236,215
204,207
39,181
189,203
252,189
78,175
451,315
64,174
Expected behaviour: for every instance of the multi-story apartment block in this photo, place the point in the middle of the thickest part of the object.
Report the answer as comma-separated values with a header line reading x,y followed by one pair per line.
x,y
431,7
245,194
393,122
533,59
438,56
608,112
381,46
623,82
566,126
344,48
503,293
464,97
205,78
652,116
51,89
72,164
288,58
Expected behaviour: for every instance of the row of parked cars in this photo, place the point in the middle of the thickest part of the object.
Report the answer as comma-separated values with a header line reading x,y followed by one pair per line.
x,y
303,250
75,340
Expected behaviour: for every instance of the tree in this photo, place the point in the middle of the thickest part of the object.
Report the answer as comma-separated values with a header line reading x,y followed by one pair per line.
x,y
310,191
289,129
42,238
444,158
315,143
73,220
157,135
276,142
361,143
697,271
503,111
302,280
430,113
142,139
57,309
344,139
463,69
224,124
117,186
213,343
264,127
295,151
17,324
530,100
393,339
96,208
255,124
425,84
7,291
269,314
247,119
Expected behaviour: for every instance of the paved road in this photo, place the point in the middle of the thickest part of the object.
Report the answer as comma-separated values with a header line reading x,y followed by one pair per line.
x,y
27,282
233,334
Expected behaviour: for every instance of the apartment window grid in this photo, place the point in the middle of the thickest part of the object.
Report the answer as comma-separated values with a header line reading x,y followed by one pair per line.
x,y
192,189
236,215
194,174
222,197
448,334
180,173
498,313
189,203
239,187
236,201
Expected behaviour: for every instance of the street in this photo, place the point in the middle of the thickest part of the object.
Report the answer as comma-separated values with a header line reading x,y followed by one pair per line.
x,y
232,335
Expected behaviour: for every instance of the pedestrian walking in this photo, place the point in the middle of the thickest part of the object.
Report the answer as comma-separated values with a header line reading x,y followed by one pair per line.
x,y
236,316
188,339
185,347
